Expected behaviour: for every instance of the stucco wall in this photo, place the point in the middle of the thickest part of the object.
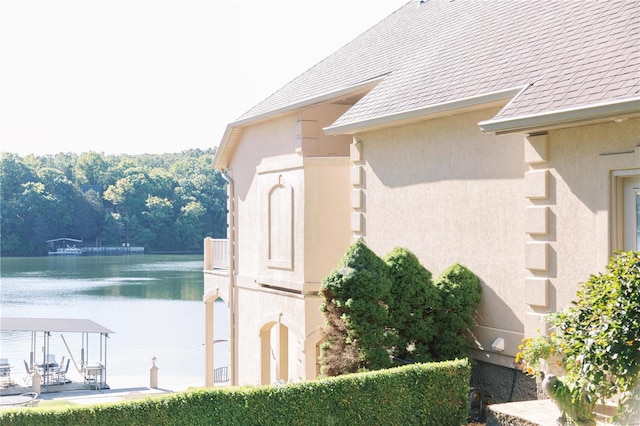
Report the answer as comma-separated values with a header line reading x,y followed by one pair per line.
x,y
451,194
271,140
262,309
286,157
440,188
580,164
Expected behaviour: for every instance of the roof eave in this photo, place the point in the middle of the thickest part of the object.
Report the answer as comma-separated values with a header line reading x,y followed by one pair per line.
x,y
427,112
226,147
233,130
563,117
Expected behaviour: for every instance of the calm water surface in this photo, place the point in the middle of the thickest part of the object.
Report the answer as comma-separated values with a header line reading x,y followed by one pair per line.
x,y
153,303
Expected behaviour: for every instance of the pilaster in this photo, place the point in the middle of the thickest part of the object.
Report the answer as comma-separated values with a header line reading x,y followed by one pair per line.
x,y
538,249
358,195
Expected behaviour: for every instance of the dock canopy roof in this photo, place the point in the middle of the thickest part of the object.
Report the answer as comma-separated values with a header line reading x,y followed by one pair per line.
x,y
64,239
62,325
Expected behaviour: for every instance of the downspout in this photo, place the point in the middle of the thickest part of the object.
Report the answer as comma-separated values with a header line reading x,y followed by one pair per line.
x,y
231,226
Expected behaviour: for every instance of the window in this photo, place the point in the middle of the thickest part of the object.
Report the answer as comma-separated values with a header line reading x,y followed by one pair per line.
x,y
626,210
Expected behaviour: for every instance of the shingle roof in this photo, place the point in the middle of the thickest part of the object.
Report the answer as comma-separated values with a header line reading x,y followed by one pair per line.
x,y
571,53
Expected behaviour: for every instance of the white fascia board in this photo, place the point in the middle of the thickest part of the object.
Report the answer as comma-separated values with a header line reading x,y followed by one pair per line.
x,y
425,112
560,117
226,143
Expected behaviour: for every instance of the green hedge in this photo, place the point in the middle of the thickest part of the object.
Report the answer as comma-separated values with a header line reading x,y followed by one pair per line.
x,y
418,394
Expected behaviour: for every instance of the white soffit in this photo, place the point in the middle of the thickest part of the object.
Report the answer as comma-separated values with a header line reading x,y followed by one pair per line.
x,y
427,112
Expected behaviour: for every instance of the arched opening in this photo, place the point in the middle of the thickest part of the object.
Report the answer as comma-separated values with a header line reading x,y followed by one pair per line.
x,y
274,353
217,341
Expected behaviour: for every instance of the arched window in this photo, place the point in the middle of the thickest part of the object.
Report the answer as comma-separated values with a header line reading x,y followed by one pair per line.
x,y
280,226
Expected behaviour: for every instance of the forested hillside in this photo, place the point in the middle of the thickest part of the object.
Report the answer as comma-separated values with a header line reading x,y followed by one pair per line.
x,y
164,202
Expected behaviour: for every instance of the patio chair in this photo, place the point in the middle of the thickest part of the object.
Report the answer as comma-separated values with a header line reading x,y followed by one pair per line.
x,y
5,371
61,373
50,359
27,378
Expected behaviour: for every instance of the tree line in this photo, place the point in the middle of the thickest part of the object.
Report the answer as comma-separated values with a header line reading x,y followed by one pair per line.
x,y
163,202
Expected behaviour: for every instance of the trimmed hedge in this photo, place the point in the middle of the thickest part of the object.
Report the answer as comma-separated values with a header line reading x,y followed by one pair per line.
x,y
417,394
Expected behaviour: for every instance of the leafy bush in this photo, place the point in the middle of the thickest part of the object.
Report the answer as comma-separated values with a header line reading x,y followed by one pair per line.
x,y
600,331
414,300
460,291
418,394
354,302
536,351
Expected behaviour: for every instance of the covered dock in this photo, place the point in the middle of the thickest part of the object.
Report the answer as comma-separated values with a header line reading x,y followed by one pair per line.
x,y
63,246
41,329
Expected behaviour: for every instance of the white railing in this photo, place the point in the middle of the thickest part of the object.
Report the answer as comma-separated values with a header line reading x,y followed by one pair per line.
x,y
221,375
216,253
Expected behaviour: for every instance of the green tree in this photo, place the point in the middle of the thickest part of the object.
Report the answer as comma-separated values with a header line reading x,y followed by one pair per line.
x,y
92,169
13,173
354,296
158,219
36,206
88,214
412,307
460,292
62,195
115,209
189,226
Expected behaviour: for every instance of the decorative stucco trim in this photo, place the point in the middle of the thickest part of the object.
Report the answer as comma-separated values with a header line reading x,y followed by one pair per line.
x,y
544,120
429,111
537,291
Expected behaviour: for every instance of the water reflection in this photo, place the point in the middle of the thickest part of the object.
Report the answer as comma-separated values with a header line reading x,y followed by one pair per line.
x,y
178,291
153,303
174,277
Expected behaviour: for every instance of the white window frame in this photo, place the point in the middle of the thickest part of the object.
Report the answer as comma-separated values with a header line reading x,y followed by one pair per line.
x,y
618,227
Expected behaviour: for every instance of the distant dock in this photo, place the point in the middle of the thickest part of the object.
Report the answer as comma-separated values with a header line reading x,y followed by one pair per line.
x,y
111,251
67,246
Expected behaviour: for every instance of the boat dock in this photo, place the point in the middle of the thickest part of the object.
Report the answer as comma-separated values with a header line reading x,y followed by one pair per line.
x,y
109,251
68,247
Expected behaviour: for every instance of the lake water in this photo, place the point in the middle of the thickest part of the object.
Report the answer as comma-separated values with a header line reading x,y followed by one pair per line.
x,y
152,303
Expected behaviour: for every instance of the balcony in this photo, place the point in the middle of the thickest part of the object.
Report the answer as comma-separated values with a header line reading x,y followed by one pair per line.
x,y
216,254
216,266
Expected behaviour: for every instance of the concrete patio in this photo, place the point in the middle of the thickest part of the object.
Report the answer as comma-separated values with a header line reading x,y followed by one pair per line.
x,y
541,412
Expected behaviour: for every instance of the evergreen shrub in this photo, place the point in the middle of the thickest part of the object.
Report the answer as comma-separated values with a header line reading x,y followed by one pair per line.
x,y
460,291
355,296
412,306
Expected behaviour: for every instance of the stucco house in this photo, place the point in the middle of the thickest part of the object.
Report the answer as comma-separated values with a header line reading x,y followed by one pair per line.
x,y
502,135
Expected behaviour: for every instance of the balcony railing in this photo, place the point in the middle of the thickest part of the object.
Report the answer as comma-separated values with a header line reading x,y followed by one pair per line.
x,y
216,253
221,375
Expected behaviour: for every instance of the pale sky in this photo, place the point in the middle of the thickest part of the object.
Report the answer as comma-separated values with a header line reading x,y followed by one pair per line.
x,y
153,76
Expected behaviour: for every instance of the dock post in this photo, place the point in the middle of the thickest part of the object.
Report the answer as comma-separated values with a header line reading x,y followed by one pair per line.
x,y
153,375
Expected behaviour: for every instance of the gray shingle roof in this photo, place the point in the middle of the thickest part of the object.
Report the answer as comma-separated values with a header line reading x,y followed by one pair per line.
x,y
572,53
